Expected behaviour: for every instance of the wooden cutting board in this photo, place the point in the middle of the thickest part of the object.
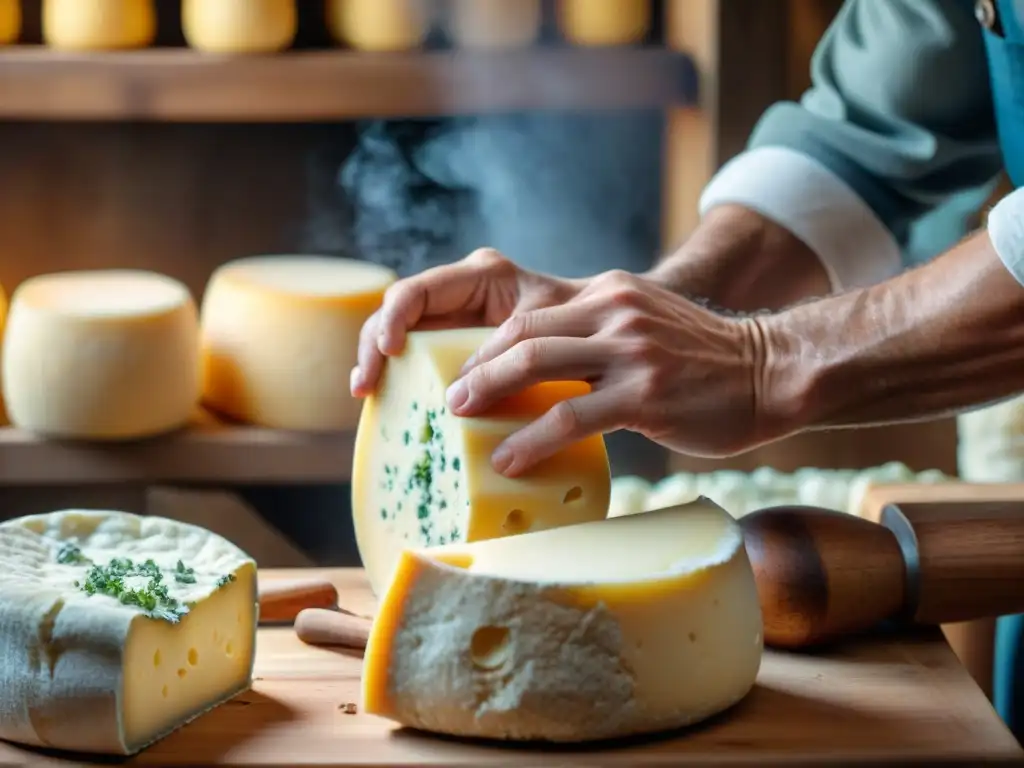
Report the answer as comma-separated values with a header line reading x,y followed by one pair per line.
x,y
902,698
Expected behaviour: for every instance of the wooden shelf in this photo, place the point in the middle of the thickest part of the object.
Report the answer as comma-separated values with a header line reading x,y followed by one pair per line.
x,y
181,85
204,453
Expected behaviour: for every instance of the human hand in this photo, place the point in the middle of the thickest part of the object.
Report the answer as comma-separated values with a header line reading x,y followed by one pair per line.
x,y
484,289
657,363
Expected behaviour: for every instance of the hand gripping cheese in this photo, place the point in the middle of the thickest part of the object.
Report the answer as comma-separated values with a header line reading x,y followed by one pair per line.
x,y
239,26
10,21
422,477
104,355
116,629
280,336
98,24
606,629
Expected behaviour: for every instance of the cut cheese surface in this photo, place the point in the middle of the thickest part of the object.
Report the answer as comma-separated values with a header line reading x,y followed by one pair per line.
x,y
103,355
98,24
606,629
280,336
239,26
116,629
10,21
422,477
379,25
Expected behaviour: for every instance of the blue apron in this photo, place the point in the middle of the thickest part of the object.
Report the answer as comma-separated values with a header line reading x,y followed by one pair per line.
x,y
1003,24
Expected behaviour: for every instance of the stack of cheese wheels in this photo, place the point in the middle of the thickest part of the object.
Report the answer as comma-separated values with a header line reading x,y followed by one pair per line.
x,y
380,25
605,629
10,21
101,355
604,22
98,24
118,629
280,337
239,26
493,23
422,476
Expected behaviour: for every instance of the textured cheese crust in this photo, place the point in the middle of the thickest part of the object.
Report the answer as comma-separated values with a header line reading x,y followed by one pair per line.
x,y
239,26
604,22
379,25
600,630
104,355
280,337
10,21
422,477
88,673
98,24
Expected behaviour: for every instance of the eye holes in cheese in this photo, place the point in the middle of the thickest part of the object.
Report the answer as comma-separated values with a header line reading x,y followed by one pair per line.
x,y
573,494
490,647
516,521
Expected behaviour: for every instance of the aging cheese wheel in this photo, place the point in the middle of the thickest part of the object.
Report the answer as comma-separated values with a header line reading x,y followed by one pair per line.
x,y
422,476
604,22
10,21
3,320
380,25
493,23
109,354
98,24
280,336
606,629
239,26
117,629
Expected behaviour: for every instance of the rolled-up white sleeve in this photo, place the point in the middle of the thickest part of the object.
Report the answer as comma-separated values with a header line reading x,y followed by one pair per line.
x,y
806,198
1006,231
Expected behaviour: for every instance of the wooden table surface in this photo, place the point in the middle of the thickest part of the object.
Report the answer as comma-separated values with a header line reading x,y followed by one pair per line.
x,y
902,699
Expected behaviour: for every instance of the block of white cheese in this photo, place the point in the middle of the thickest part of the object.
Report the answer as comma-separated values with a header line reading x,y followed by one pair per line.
x,y
98,24
613,628
422,477
10,21
101,355
280,336
116,629
239,26
990,447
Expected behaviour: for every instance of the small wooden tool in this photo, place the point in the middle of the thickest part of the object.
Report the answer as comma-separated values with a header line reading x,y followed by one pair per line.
x,y
317,626
281,601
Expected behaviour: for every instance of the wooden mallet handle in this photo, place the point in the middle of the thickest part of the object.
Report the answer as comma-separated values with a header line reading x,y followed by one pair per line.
x,y
318,626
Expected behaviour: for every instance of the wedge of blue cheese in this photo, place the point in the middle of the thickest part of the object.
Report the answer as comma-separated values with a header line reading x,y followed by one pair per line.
x,y
116,629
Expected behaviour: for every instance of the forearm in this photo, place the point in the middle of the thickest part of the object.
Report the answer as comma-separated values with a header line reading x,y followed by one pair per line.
x,y
743,262
941,338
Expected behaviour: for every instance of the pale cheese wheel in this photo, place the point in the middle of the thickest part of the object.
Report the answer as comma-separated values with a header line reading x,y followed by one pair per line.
x,y
280,337
98,24
117,629
422,476
493,23
614,628
10,21
380,25
604,22
239,26
101,355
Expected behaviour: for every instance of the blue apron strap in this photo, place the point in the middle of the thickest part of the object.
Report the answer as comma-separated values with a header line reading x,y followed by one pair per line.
x,y
1008,673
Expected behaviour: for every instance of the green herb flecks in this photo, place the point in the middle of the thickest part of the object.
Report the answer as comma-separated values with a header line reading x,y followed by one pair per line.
x,y
184,575
224,580
69,554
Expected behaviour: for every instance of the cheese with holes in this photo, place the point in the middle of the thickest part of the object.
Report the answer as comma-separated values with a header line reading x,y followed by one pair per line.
x,y
606,629
103,355
379,25
10,21
98,24
116,629
422,477
239,26
280,336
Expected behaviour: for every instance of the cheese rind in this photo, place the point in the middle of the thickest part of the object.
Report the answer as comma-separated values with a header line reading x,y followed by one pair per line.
x,y
379,25
607,629
422,476
280,336
103,355
98,24
94,673
239,26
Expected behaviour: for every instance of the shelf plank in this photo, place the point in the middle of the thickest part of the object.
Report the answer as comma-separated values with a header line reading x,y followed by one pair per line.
x,y
205,453
182,85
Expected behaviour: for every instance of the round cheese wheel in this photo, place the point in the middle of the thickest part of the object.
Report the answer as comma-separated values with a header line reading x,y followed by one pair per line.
x,y
379,25
101,355
3,319
10,21
494,23
280,336
604,22
98,24
239,26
